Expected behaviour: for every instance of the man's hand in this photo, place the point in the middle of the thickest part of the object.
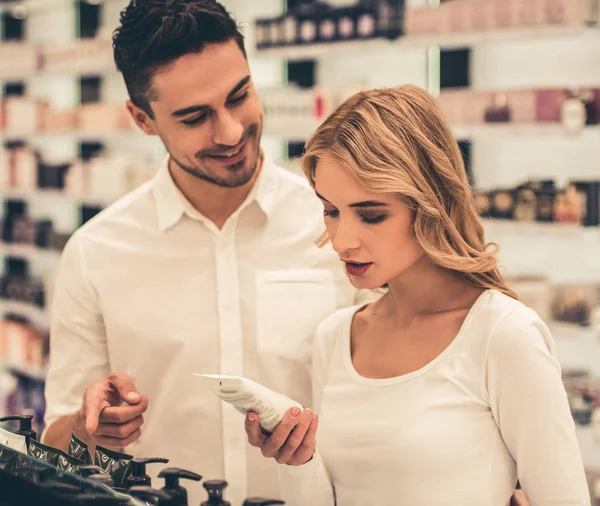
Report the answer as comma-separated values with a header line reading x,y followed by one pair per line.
x,y
293,441
112,411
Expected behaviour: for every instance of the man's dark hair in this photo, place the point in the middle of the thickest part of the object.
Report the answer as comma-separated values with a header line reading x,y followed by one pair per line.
x,y
154,33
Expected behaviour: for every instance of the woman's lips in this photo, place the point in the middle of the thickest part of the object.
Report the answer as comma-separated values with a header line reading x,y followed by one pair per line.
x,y
357,269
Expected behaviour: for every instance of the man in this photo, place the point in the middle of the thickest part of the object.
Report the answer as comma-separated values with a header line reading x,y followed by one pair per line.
x,y
210,267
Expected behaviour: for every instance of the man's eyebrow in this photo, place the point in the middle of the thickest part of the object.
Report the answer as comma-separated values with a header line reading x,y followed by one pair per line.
x,y
205,108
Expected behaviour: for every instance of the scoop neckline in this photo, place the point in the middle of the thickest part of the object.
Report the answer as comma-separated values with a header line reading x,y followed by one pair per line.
x,y
355,375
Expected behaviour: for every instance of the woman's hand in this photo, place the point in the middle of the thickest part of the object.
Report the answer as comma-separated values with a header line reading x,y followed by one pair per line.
x,y
293,441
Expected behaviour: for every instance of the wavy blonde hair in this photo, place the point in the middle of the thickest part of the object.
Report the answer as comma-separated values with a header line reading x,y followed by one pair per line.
x,y
396,140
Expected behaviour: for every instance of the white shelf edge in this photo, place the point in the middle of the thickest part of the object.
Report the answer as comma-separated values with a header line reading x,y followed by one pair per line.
x,y
24,193
529,228
35,373
30,252
445,41
132,134
522,129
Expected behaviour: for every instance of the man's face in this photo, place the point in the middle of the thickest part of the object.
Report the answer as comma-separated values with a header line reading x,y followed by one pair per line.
x,y
208,115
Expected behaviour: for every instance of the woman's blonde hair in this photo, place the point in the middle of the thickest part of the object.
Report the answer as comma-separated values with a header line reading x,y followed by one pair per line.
x,y
396,140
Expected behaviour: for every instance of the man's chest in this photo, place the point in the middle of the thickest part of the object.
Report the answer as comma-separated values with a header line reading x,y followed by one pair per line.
x,y
202,299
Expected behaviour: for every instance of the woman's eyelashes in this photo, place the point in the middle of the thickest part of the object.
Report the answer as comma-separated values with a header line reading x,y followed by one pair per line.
x,y
372,220
365,218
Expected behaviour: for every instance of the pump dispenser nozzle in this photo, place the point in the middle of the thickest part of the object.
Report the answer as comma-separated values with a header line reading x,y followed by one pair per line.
x,y
24,425
215,493
105,479
178,494
138,477
259,501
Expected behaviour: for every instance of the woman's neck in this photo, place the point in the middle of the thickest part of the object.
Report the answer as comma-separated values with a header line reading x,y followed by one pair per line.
x,y
426,289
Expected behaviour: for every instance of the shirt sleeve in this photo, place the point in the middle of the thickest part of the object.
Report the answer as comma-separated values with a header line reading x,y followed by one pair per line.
x,y
530,406
78,351
310,483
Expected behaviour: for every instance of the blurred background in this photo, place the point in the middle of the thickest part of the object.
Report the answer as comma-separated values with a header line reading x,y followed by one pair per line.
x,y
519,81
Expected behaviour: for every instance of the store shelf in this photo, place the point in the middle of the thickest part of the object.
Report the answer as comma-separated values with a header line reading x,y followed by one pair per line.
x,y
30,194
29,252
445,41
527,229
38,317
547,130
129,135
34,373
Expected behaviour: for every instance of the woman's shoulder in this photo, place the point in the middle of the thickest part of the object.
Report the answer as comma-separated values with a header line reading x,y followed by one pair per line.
x,y
334,327
338,321
514,327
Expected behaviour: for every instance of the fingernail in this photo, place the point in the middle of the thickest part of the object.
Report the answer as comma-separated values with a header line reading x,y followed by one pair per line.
x,y
252,417
308,412
295,412
132,396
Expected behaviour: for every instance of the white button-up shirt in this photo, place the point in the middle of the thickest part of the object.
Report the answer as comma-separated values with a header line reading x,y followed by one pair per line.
x,y
153,288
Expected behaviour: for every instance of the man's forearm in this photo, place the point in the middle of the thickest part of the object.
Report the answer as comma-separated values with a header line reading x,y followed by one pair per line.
x,y
58,434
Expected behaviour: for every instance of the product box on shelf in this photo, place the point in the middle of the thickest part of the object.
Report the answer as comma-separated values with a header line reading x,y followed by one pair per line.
x,y
476,106
425,21
567,12
569,206
103,117
502,204
456,16
18,167
289,29
453,103
346,21
522,106
369,26
23,115
18,60
505,13
262,33
389,15
327,28
482,15
498,111
548,104
60,120
85,55
530,12
573,303
589,199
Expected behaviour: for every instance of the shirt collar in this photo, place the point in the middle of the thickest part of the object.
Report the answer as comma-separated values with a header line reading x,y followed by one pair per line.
x,y
171,204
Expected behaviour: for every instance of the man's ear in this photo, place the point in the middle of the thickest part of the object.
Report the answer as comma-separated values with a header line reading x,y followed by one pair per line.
x,y
141,118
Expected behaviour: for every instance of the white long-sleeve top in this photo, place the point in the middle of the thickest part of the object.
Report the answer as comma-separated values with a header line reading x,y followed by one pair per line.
x,y
489,410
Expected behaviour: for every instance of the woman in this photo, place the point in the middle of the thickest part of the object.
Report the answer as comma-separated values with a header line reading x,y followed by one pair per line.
x,y
446,390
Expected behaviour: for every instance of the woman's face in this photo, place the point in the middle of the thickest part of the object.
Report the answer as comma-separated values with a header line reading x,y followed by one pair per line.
x,y
371,232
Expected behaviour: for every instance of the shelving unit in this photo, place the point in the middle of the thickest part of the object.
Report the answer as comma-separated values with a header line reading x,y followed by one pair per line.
x,y
441,40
